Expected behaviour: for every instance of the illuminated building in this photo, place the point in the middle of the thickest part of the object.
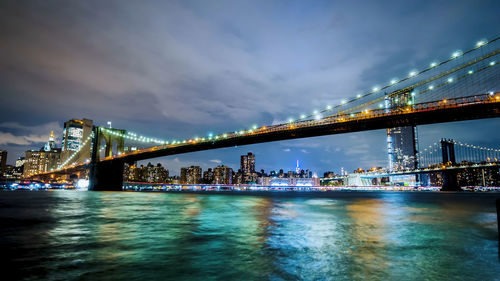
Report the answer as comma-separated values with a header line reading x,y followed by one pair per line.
x,y
46,159
401,141
149,173
291,181
3,161
20,162
191,175
75,133
223,175
247,164
208,176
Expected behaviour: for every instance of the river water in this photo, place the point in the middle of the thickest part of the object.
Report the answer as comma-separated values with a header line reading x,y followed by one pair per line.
x,y
67,235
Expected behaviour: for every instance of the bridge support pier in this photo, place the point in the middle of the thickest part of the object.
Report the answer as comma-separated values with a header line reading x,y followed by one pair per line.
x,y
106,176
450,181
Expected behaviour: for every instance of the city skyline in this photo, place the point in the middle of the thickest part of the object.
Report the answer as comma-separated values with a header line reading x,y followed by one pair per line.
x,y
264,85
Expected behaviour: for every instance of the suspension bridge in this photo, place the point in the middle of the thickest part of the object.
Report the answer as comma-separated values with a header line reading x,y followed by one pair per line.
x,y
463,86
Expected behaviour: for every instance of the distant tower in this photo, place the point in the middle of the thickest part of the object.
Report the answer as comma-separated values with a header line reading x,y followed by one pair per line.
x,y
297,169
51,144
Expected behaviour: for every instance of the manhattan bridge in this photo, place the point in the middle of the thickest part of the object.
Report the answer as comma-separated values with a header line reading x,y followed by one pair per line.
x,y
463,86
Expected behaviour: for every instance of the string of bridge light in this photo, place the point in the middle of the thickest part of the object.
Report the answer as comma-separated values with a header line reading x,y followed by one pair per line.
x,y
303,117
76,152
211,136
413,93
476,147
414,73
134,137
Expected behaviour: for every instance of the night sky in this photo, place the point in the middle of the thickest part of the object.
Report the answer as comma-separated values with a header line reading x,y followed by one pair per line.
x,y
177,69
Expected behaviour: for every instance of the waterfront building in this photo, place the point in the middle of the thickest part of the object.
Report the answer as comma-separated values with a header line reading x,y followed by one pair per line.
x,y
289,181
3,161
223,175
44,160
149,173
74,135
208,176
41,161
329,174
191,175
20,161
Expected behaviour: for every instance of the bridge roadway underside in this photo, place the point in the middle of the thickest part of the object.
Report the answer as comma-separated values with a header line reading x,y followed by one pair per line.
x,y
469,112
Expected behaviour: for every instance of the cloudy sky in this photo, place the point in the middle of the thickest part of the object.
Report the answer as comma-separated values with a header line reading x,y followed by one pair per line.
x,y
175,69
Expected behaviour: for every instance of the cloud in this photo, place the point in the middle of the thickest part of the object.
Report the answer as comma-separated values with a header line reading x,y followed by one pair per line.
x,y
8,138
287,150
216,161
25,134
304,151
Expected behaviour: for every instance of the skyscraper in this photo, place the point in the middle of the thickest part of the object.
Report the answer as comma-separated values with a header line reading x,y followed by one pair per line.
x,y
401,141
75,133
247,164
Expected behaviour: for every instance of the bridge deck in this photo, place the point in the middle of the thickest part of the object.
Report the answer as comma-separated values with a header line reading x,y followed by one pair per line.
x,y
466,108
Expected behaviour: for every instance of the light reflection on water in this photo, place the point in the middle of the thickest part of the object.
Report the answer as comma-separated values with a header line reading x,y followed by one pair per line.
x,y
351,236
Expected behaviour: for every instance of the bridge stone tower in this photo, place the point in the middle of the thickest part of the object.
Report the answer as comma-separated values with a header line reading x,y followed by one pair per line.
x,y
450,181
106,175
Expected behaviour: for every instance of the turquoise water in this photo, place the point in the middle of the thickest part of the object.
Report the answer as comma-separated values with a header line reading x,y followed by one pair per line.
x,y
66,235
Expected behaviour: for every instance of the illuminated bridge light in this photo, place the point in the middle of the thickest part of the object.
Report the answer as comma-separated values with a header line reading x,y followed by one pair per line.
x,y
358,96
456,54
450,80
254,127
302,116
470,72
492,63
393,81
315,112
290,120
328,107
412,94
480,43
375,89
434,64
431,87
380,105
343,101
491,93
412,73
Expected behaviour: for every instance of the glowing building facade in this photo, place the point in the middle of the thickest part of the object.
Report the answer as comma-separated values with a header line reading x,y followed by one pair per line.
x,y
75,133
401,141
43,160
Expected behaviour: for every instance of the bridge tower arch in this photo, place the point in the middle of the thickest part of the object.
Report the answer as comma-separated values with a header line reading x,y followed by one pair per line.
x,y
107,174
